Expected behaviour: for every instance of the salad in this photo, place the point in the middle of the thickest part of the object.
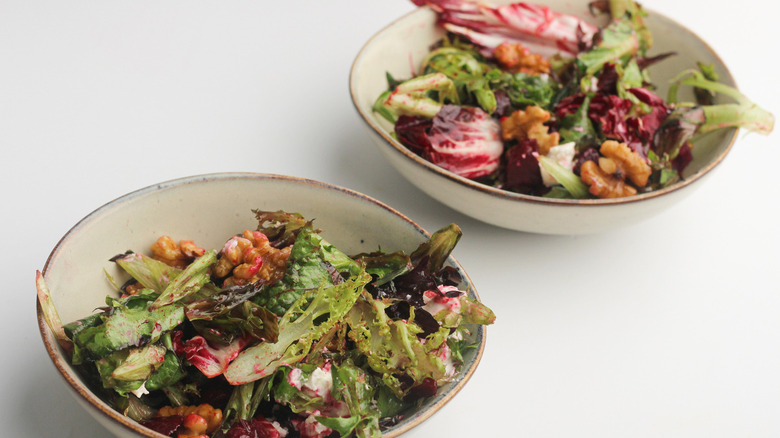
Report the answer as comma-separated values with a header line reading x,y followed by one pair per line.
x,y
276,334
538,102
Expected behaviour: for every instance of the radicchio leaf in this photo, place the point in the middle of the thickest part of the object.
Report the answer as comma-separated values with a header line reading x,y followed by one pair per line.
x,y
427,263
465,141
212,361
489,26
257,427
676,130
412,132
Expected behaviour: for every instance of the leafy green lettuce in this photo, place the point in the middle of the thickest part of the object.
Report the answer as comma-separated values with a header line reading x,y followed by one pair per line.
x,y
312,262
311,316
421,96
467,74
151,366
128,323
355,388
392,347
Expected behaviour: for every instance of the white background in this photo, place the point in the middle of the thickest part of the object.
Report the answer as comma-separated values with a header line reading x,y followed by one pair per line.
x,y
670,328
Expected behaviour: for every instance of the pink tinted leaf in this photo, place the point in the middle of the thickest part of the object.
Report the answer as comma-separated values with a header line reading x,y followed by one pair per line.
x,y
465,141
489,26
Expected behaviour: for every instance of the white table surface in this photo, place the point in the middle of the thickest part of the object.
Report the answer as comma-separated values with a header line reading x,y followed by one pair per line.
x,y
670,328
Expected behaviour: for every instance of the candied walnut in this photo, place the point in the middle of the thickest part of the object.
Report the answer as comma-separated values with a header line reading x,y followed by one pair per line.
x,y
250,257
621,160
529,123
166,250
602,184
194,426
209,421
518,59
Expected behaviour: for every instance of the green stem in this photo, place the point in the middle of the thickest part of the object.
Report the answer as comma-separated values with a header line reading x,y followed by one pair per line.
x,y
746,116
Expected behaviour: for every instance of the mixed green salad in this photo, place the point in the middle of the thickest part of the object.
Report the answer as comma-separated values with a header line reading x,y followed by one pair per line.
x,y
536,101
276,334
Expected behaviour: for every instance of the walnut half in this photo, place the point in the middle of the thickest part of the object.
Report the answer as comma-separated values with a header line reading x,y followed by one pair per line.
x,y
602,184
518,59
618,165
625,162
529,123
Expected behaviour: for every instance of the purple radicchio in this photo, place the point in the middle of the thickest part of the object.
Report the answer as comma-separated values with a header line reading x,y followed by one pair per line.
x,y
463,140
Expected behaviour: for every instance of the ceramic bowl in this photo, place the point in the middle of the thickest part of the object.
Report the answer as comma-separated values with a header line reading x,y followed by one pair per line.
x,y
207,209
399,49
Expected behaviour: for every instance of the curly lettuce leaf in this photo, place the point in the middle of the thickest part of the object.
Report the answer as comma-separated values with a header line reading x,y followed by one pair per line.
x,y
280,227
618,41
229,314
392,347
525,89
247,320
467,74
385,266
312,262
308,319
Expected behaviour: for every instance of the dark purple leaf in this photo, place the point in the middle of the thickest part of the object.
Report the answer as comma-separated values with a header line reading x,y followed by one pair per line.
x,y
503,104
676,130
609,112
608,79
683,158
653,120
412,132
590,154
569,105
644,62
426,388
255,428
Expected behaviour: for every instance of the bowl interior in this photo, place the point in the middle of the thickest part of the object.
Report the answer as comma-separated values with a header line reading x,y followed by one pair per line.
x,y
209,209
399,49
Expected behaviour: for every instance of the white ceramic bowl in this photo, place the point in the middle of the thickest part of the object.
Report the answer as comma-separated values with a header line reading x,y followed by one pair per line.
x,y
208,209
400,48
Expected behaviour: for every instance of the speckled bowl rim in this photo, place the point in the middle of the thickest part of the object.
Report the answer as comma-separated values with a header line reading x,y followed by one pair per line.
x,y
512,196
63,367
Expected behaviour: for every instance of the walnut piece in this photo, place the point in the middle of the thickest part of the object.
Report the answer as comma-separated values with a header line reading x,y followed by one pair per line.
x,y
602,184
211,415
625,162
250,257
166,250
617,165
518,59
529,123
